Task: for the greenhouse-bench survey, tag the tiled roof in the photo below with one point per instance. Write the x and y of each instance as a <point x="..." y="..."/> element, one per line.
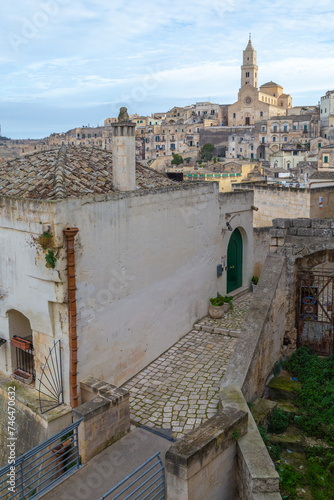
<point x="322" y="175"/>
<point x="68" y="172"/>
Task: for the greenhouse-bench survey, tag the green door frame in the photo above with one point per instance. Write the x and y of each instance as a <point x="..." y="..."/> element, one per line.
<point x="234" y="262"/>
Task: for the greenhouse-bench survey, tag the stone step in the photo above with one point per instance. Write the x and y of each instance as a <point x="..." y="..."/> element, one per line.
<point x="262" y="410"/>
<point x="292" y="439"/>
<point x="283" y="388"/>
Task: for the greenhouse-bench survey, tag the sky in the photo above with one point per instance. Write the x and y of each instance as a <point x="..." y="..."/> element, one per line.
<point x="68" y="63"/>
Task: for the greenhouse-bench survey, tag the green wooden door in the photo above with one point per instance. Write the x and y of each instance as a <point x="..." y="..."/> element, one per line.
<point x="234" y="262"/>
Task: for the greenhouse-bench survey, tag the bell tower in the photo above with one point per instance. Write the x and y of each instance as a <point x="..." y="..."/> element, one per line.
<point x="249" y="69"/>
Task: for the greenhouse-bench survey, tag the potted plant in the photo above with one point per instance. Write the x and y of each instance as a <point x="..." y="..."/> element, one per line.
<point x="228" y="302"/>
<point x="255" y="280"/>
<point x="219" y="305"/>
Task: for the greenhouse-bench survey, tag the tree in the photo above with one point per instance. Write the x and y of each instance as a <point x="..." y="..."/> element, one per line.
<point x="177" y="159"/>
<point x="206" y="152"/>
<point x="187" y="160"/>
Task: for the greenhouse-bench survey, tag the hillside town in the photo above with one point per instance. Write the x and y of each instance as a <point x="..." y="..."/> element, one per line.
<point x="166" y="290"/>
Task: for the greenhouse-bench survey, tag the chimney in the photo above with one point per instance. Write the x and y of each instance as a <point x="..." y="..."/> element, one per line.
<point x="124" y="153"/>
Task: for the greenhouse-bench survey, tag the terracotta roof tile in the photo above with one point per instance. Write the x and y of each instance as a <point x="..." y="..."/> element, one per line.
<point x="68" y="172"/>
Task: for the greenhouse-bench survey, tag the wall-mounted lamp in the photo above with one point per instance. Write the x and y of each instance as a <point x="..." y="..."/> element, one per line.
<point x="229" y="227"/>
<point x="254" y="208"/>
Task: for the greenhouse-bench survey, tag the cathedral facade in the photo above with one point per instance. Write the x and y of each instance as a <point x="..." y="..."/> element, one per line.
<point x="253" y="104"/>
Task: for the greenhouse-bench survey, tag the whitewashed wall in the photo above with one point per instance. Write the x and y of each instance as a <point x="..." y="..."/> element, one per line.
<point x="26" y="284"/>
<point x="146" y="267"/>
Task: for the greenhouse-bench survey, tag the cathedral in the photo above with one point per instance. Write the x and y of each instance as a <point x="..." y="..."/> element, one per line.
<point x="255" y="105"/>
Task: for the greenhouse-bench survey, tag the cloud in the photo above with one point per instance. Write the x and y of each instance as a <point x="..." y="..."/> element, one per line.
<point x="152" y="52"/>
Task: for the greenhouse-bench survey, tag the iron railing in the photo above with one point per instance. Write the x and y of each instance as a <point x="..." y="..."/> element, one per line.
<point x="50" y="391"/>
<point x="147" y="482"/>
<point x="42" y="467"/>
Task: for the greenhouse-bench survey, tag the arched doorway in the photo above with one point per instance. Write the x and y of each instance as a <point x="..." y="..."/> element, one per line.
<point x="234" y="262"/>
<point x="261" y="152"/>
<point x="22" y="350"/>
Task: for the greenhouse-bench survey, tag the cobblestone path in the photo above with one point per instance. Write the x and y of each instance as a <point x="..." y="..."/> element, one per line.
<point x="179" y="390"/>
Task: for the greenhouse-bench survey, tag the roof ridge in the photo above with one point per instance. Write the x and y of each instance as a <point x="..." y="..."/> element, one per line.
<point x="59" y="174"/>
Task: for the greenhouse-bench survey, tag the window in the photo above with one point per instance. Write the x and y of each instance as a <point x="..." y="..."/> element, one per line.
<point x="288" y="165"/>
<point x="295" y="153"/>
<point x="285" y="128"/>
<point x="247" y="74"/>
<point x="240" y="150"/>
<point x="234" y="115"/>
<point x="325" y="159"/>
<point x="319" y="144"/>
<point x="274" y="139"/>
<point x="274" y="128"/>
<point x="285" y="139"/>
<point x="172" y="147"/>
<point x="261" y="114"/>
<point x="263" y="140"/>
<point x="305" y="128"/>
<point x="212" y="111"/>
<point x="157" y="138"/>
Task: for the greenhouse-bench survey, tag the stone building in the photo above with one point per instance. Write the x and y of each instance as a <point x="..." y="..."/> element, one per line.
<point x="254" y="105"/>
<point x="326" y="158"/>
<point x="327" y="115"/>
<point x="145" y="251"/>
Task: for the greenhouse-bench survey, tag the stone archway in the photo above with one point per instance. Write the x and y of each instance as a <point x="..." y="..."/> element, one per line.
<point x="22" y="349"/>
<point x="261" y="152"/>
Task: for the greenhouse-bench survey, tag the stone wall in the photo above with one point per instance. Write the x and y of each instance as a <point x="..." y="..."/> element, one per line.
<point x="281" y="202"/>
<point x="203" y="463"/>
<point x="106" y="416"/>
<point x="146" y="265"/>
<point x="248" y="369"/>
<point x="31" y="428"/>
<point x="261" y="238"/>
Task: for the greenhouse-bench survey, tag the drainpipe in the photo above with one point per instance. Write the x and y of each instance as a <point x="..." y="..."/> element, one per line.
<point x="70" y="233"/>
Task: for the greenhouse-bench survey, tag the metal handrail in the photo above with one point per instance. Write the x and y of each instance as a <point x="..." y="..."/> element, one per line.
<point x="37" y="469"/>
<point x="145" y="481"/>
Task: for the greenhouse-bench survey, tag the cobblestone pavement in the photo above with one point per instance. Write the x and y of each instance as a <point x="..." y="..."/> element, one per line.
<point x="179" y="390"/>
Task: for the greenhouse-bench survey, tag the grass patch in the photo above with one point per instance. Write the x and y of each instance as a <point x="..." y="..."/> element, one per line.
<point x="320" y="472"/>
<point x="316" y="398"/>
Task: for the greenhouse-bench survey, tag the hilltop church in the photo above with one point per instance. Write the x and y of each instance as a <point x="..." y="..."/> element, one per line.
<point x="255" y="105"/>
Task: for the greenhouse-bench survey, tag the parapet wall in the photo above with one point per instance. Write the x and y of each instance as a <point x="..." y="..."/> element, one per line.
<point x="246" y="374"/>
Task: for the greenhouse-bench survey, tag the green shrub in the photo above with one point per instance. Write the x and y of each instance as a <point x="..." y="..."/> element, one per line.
<point x="278" y="422"/>
<point x="316" y="398"/>
<point x="289" y="480"/>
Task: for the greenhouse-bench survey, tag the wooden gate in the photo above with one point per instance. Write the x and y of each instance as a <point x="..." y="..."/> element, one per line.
<point x="315" y="310"/>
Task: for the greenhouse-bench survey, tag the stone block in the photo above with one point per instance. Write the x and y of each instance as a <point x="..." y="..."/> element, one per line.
<point x="273" y="249"/>
<point x="292" y="231"/>
<point x="281" y="233"/>
<point x="301" y="222"/>
<point x="304" y="231"/>
<point x="332" y="223"/>
<point x="106" y="416"/>
<point x="280" y="242"/>
<point x="321" y="223"/>
<point x="273" y="242"/>
<point x="273" y="232"/>
<point x="323" y="233"/>
<point x="282" y="223"/>
<point x="204" y="460"/>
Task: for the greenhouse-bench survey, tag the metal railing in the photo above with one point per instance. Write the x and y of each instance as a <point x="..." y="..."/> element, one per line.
<point x="42" y="467"/>
<point x="147" y="482"/>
